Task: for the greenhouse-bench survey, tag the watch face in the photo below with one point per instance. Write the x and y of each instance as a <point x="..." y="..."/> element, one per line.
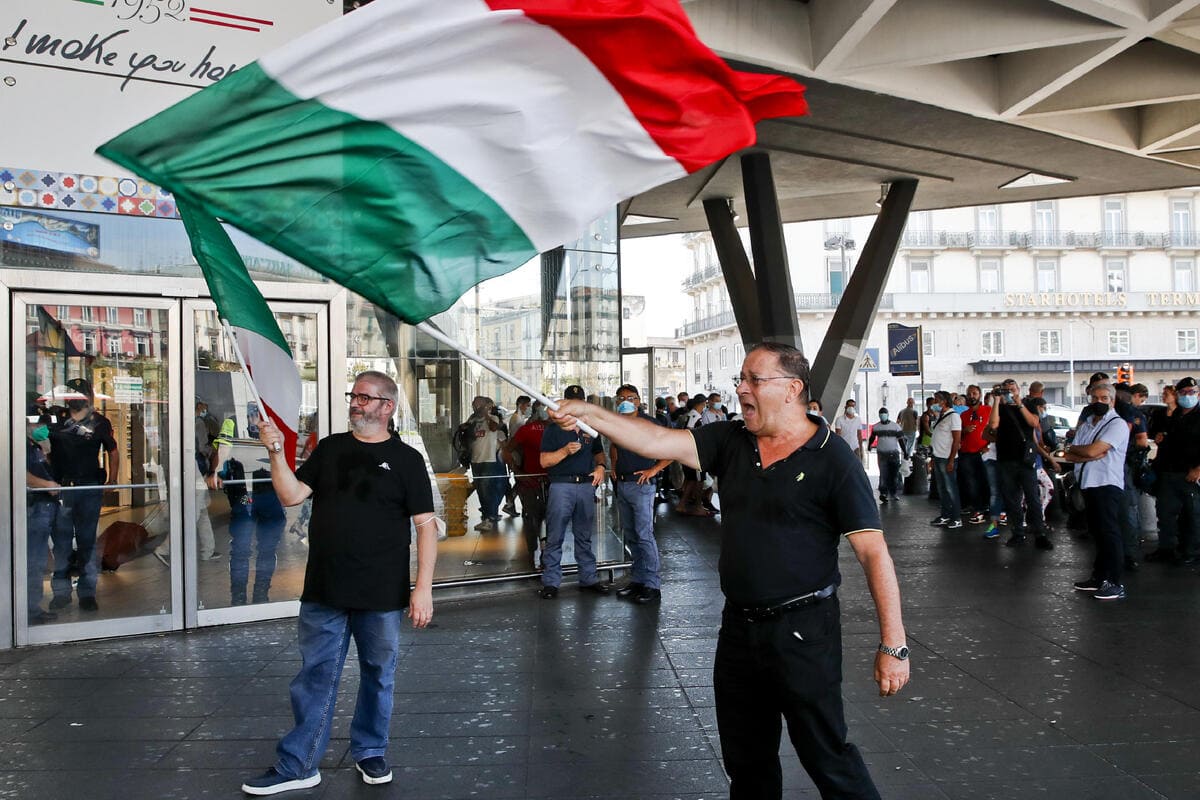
<point x="902" y="653"/>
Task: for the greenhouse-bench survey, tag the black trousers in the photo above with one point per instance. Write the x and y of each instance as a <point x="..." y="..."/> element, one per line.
<point x="789" y="668"/>
<point x="972" y="482"/>
<point x="1104" y="506"/>
<point x="533" y="510"/>
<point x="1016" y="481"/>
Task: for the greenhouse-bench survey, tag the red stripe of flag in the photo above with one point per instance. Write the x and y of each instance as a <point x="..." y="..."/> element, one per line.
<point x="231" y="16"/>
<point x="694" y="106"/>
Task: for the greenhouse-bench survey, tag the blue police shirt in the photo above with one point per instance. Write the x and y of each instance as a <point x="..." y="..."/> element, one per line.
<point x="581" y="462"/>
<point x="629" y="462"/>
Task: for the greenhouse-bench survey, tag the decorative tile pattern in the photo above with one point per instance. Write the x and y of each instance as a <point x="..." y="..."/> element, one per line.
<point x="96" y="193"/>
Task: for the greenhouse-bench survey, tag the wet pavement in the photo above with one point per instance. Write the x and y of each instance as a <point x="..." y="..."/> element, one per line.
<point x="1022" y="688"/>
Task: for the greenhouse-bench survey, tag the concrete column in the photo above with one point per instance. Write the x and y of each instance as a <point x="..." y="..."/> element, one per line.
<point x="739" y="277"/>
<point x="776" y="302"/>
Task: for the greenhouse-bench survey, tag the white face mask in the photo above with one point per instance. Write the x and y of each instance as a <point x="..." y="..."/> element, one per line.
<point x="850" y="412"/>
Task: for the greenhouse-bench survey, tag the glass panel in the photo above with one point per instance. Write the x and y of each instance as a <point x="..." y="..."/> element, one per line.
<point x="1184" y="275"/>
<point x="250" y="548"/>
<point x="105" y="411"/>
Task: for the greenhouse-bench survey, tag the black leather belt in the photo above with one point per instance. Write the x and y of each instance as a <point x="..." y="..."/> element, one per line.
<point x="570" y="478"/>
<point x="775" y="610"/>
<point x="627" y="478"/>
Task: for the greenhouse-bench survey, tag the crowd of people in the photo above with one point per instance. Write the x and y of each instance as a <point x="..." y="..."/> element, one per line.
<point x="995" y="459"/>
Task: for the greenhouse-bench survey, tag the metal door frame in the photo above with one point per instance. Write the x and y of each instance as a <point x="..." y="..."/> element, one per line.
<point x="149" y="291"/>
<point x="101" y="628"/>
<point x="194" y="616"/>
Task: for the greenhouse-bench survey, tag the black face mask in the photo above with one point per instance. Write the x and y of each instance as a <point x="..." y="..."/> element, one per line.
<point x="1097" y="409"/>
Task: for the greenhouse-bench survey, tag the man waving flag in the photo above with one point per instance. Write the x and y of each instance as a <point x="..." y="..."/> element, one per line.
<point x="411" y="149"/>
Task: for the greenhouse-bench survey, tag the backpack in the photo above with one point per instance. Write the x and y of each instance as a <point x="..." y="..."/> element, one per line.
<point x="464" y="435"/>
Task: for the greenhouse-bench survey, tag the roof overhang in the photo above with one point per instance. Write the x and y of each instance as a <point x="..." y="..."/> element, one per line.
<point x="964" y="104"/>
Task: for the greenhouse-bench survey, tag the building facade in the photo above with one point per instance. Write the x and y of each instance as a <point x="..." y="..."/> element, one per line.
<point x="1050" y="291"/>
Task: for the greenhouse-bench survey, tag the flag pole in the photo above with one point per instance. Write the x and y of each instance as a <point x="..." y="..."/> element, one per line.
<point x="237" y="352"/>
<point x="425" y="327"/>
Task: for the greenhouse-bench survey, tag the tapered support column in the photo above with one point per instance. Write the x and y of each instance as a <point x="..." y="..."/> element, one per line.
<point x="842" y="350"/>
<point x="773" y="281"/>
<point x="739" y="277"/>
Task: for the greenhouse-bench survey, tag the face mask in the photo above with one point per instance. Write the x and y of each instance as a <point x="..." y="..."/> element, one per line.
<point x="718" y="406"/>
<point x="40" y="434"/>
<point x="883" y="417"/>
<point x="626" y="407"/>
<point x="850" y="412"/>
<point x="1188" y="400"/>
<point x="541" y="415"/>
<point x="1098" y="409"/>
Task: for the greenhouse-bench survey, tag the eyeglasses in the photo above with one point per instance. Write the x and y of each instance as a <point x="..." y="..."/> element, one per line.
<point x="756" y="381"/>
<point x="355" y="399"/>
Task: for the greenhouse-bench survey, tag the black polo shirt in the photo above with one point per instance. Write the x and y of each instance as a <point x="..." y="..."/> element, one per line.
<point x="1179" y="450"/>
<point x="780" y="527"/>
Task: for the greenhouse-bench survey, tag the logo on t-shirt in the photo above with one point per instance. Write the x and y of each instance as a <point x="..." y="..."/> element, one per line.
<point x="800" y="477"/>
<point x="384" y="465"/>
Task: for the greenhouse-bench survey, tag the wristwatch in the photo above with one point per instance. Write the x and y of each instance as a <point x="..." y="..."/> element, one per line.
<point x="900" y="652"/>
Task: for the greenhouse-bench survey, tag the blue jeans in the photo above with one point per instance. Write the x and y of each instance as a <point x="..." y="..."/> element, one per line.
<point x="491" y="479"/>
<point x="76" y="529"/>
<point x="995" y="500"/>
<point x="259" y="516"/>
<point x="324" y="641"/>
<point x="573" y="503"/>
<point x="974" y="485"/>
<point x="635" y="504"/>
<point x="39" y="527"/>
<point x="947" y="486"/>
<point x="889" y="474"/>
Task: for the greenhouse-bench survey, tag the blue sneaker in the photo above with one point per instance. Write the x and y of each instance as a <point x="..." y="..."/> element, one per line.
<point x="271" y="782"/>
<point x="1110" y="591"/>
<point x="375" y="770"/>
<point x="993" y="531"/>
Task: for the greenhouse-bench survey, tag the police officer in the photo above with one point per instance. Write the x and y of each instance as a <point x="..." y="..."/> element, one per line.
<point x="575" y="464"/>
<point x="790" y="491"/>
<point x="635" y="504"/>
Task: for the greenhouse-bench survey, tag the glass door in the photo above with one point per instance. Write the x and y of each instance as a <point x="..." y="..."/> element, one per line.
<point x="93" y="385"/>
<point x="245" y="553"/>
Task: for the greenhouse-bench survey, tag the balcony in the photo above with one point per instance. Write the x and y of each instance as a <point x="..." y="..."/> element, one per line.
<point x="826" y="301"/>
<point x="702" y="276"/>
<point x="994" y="240"/>
<point x="1182" y="240"/>
<point x="705" y="325"/>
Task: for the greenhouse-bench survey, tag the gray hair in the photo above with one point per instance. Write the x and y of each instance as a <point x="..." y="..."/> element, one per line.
<point x="1103" y="386"/>
<point x="382" y="382"/>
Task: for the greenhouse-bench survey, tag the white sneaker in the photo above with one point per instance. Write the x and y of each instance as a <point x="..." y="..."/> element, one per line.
<point x="486" y="525"/>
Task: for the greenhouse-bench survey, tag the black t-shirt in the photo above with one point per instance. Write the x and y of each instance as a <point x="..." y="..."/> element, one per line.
<point x="364" y="494"/>
<point x="629" y="462"/>
<point x="75" y="449"/>
<point x="781" y="527"/>
<point x="581" y="462"/>
<point x="1179" y="450"/>
<point x="1012" y="435"/>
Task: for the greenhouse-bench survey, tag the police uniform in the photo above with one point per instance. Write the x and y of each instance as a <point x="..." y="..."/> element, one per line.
<point x="779" y="652"/>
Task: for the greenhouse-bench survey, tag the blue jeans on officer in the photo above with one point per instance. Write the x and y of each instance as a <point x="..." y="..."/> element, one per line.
<point x="573" y="503"/>
<point x="75" y="529"/>
<point x="324" y="642"/>
<point x="635" y="505"/>
<point x="40" y="519"/>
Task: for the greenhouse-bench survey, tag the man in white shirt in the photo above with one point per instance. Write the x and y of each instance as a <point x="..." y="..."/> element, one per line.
<point x="1098" y="453"/>
<point x="487" y="473"/>
<point x="850" y="427"/>
<point x="946" y="435"/>
<point x="714" y="411"/>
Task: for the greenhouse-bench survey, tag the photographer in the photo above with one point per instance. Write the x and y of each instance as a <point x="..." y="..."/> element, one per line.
<point x="1012" y="427"/>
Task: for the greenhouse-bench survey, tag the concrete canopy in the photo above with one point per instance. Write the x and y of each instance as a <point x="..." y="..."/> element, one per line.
<point x="963" y="95"/>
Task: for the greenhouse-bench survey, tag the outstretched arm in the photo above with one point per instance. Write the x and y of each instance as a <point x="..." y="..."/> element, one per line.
<point x="639" y="435"/>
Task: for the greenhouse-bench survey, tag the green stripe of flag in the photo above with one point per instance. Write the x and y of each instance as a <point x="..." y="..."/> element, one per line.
<point x="238" y="300"/>
<point x="353" y="199"/>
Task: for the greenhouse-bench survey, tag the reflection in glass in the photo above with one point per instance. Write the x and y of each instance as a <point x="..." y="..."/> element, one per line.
<point x="264" y="543"/>
<point x="97" y="413"/>
<point x="553" y="322"/>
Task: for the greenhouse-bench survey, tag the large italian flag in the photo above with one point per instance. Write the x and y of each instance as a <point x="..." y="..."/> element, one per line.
<point x="413" y="148"/>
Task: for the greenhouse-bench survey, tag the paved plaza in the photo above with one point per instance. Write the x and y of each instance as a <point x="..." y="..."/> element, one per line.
<point x="1021" y="688"/>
